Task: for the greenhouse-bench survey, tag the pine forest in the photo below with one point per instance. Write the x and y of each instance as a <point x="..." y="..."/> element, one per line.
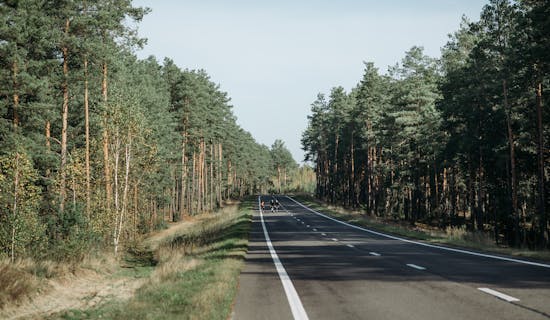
<point x="98" y="147"/>
<point x="456" y="142"/>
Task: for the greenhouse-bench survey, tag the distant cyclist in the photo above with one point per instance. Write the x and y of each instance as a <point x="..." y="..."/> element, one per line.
<point x="272" y="204"/>
<point x="277" y="204"/>
<point x="262" y="205"/>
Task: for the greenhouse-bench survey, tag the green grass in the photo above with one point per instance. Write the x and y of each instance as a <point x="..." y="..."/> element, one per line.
<point x="456" y="237"/>
<point x="196" y="275"/>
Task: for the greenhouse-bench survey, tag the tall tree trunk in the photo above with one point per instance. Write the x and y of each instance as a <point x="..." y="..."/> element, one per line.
<point x="471" y="193"/>
<point x="481" y="193"/>
<point x="15" y="71"/>
<point x="117" y="158"/>
<point x="212" y="158"/>
<point x="453" y="193"/>
<point x="351" y="195"/>
<point x="65" y="114"/>
<point x="15" y="199"/>
<point x="219" y="174"/>
<point x="445" y="189"/>
<point x="204" y="175"/>
<point x="174" y="196"/>
<point x="121" y="215"/>
<point x="334" y="179"/>
<point x="47" y="130"/>
<point x="435" y="191"/>
<point x="135" y="215"/>
<point x="105" y="136"/>
<point x="199" y="179"/>
<point x="543" y="224"/>
<point x="284" y="179"/>
<point x="229" y="179"/>
<point x="193" y="184"/>
<point x="87" y="129"/>
<point x="279" y="178"/>
<point x="183" y="176"/>
<point x="513" y="181"/>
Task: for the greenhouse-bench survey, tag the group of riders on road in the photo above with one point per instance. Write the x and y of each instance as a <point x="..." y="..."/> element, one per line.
<point x="274" y="205"/>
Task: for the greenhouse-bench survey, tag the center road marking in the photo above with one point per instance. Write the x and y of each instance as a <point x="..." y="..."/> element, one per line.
<point x="415" y="266"/>
<point x="334" y="239"/>
<point x="499" y="295"/>
<point x="314" y="229"/>
<point x="350" y="245"/>
<point x="324" y="234"/>
<point x="374" y="254"/>
<point x="294" y="301"/>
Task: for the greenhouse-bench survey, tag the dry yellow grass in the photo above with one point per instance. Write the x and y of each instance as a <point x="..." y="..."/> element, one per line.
<point x="215" y="293"/>
<point x="171" y="261"/>
<point x="196" y="270"/>
<point x="15" y="281"/>
<point x="193" y="255"/>
<point x="32" y="289"/>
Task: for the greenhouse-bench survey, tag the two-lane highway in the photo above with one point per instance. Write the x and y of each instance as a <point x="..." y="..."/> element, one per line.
<point x="302" y="264"/>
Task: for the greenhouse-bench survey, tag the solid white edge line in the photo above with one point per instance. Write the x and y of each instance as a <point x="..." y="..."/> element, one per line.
<point x="425" y="244"/>
<point x="294" y="301"/>
<point x="499" y="295"/>
<point x="415" y="266"/>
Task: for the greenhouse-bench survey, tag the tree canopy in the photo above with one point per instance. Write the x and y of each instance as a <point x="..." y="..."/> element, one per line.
<point x="96" y="144"/>
<point x="456" y="141"/>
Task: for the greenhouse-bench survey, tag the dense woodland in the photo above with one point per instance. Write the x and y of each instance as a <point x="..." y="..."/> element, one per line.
<point x="98" y="147"/>
<point x="459" y="141"/>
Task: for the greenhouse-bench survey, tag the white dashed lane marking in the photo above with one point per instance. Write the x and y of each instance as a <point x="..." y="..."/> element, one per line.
<point x="415" y="266"/>
<point x="499" y="295"/>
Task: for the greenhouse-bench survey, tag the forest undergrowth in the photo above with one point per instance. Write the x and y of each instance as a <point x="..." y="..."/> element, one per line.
<point x="158" y="277"/>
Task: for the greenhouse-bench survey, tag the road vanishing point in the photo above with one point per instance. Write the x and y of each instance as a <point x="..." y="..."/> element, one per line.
<point x="302" y="264"/>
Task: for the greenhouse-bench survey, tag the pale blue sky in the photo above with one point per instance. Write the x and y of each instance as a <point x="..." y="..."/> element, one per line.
<point x="273" y="57"/>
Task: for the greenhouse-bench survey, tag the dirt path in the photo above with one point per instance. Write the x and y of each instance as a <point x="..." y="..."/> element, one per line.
<point x="82" y="290"/>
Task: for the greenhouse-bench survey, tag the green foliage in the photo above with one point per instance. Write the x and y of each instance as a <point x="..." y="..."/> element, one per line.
<point x="196" y="277"/>
<point x="283" y="165"/>
<point x="21" y="231"/>
<point x="158" y="142"/>
<point x="455" y="142"/>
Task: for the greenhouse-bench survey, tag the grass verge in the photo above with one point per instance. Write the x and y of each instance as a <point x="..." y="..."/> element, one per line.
<point x="193" y="272"/>
<point x="27" y="278"/>
<point x="455" y="237"/>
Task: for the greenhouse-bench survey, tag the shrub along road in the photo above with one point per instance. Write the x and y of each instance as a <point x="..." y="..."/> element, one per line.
<point x="320" y="268"/>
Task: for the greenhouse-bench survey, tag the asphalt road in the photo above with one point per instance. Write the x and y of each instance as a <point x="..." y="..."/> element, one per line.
<point x="319" y="268"/>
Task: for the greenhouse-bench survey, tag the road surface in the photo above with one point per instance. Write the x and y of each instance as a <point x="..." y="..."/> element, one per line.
<point x="314" y="267"/>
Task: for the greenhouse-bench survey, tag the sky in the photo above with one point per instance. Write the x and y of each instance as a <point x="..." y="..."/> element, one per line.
<point x="273" y="57"/>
